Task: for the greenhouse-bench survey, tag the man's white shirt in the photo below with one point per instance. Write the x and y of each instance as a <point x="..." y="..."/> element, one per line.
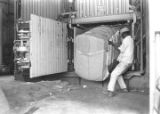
<point x="126" y="50"/>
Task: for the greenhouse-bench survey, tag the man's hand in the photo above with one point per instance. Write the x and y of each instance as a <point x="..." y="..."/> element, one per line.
<point x="110" y="42"/>
<point x="114" y="45"/>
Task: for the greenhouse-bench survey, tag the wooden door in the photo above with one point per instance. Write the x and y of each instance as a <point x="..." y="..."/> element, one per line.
<point x="48" y="46"/>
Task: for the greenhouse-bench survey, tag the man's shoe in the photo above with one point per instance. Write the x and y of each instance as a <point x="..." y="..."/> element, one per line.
<point x="109" y="93"/>
<point x="125" y="90"/>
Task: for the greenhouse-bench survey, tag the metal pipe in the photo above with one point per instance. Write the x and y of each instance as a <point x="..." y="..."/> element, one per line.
<point x="141" y="71"/>
<point x="133" y="34"/>
<point x="81" y="27"/>
<point x="133" y="26"/>
<point x="69" y="13"/>
<point x="70" y="47"/>
<point x="102" y="19"/>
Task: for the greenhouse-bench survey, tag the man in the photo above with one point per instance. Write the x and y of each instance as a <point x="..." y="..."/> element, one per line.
<point x="124" y="59"/>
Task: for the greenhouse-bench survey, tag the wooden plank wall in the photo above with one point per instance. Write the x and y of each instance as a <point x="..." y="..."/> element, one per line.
<point x="91" y="8"/>
<point x="48" y="49"/>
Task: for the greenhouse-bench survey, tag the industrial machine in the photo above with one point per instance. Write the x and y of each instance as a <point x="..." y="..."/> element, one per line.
<point x="21" y="47"/>
<point x="79" y="16"/>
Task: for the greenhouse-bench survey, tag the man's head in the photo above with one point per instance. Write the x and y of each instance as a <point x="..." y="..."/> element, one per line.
<point x="124" y="32"/>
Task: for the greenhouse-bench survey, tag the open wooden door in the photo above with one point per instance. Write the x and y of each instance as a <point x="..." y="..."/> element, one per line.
<point x="48" y="46"/>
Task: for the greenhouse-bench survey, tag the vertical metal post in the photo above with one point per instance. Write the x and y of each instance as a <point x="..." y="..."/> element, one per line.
<point x="141" y="37"/>
<point x="1" y="31"/>
<point x="70" y="47"/>
<point x="133" y="34"/>
<point x="147" y="36"/>
<point x="133" y="26"/>
<point x="74" y="36"/>
<point x="15" y="22"/>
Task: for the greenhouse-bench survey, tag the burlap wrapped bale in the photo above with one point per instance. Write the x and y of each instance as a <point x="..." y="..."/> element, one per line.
<point x="93" y="55"/>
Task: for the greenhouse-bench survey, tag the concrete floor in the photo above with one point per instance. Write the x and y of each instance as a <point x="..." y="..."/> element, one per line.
<point x="66" y="96"/>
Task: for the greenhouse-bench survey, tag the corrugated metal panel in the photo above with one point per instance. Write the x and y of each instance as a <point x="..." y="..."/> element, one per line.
<point x="4" y="5"/>
<point x="47" y="46"/>
<point x="91" y="8"/>
<point x="45" y="8"/>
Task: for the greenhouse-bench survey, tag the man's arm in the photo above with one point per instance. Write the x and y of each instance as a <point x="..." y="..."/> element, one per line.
<point x="114" y="45"/>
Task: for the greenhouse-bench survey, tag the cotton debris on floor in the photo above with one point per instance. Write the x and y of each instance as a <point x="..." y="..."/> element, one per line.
<point x="23" y="94"/>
